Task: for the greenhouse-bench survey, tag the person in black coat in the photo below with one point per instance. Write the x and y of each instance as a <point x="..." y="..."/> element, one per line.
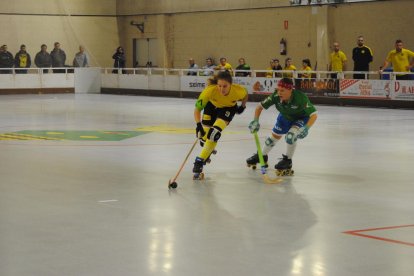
<point x="119" y="60"/>
<point x="6" y="60"/>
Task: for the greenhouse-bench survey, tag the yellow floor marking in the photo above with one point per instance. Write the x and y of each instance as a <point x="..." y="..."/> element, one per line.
<point x="17" y="136"/>
<point x="55" y="133"/>
<point x="172" y="129"/>
<point x="89" y="137"/>
<point x="116" y="133"/>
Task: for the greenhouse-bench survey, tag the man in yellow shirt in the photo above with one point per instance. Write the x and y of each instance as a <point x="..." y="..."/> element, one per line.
<point x="224" y="66"/>
<point x="402" y="60"/>
<point x="338" y="61"/>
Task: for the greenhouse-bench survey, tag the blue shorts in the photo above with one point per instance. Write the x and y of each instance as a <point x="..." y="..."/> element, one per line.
<point x="282" y="125"/>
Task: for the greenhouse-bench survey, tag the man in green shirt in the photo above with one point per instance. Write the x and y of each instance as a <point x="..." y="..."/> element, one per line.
<point x="297" y="115"/>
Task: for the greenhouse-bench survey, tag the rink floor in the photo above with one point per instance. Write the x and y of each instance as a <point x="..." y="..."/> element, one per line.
<point x="83" y="191"/>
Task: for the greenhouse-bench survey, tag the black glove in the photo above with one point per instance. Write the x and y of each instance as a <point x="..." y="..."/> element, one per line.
<point x="240" y="109"/>
<point x="200" y="130"/>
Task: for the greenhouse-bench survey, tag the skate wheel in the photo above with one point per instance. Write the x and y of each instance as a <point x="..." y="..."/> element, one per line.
<point x="172" y="185"/>
<point x="251" y="166"/>
<point x="214" y="152"/>
<point x="198" y="176"/>
<point x="208" y="161"/>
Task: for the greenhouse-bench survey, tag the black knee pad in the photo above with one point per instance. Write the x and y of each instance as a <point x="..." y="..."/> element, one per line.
<point x="214" y="133"/>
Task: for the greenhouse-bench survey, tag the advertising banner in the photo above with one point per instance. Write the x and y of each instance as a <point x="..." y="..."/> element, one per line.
<point x="263" y="85"/>
<point x="318" y="87"/>
<point x="365" y="89"/>
<point x="402" y="90"/>
<point x="193" y="83"/>
<point x="246" y="82"/>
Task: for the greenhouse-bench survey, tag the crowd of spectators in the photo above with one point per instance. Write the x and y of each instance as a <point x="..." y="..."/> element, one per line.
<point x="402" y="60"/>
<point x="56" y="59"/>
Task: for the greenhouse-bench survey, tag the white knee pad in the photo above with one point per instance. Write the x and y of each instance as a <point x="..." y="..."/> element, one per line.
<point x="292" y="135"/>
<point x="214" y="133"/>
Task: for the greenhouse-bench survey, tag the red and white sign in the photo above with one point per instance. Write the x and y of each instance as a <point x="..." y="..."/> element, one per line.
<point x="365" y="89"/>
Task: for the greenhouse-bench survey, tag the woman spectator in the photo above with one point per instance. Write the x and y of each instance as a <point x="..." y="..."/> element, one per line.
<point x="119" y="60"/>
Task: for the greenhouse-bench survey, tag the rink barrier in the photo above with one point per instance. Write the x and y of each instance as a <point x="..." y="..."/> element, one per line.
<point x="382" y="90"/>
<point x="378" y="90"/>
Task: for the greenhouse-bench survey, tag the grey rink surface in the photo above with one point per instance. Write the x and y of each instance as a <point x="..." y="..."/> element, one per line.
<point x="103" y="207"/>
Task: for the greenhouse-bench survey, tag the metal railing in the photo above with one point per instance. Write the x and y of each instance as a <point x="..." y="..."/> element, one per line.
<point x="260" y="73"/>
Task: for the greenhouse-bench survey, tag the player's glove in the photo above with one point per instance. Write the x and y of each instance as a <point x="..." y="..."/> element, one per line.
<point x="254" y="126"/>
<point x="303" y="132"/>
<point x="200" y="130"/>
<point x="240" y="109"/>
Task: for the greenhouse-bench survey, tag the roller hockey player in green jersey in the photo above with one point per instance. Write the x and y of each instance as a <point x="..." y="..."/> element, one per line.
<point x="296" y="117"/>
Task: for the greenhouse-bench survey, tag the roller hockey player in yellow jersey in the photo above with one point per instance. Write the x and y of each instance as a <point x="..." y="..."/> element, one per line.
<point x="218" y="101"/>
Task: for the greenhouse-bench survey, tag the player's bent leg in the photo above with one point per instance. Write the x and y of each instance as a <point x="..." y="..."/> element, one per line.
<point x="213" y="136"/>
<point x="270" y="142"/>
<point x="292" y="136"/>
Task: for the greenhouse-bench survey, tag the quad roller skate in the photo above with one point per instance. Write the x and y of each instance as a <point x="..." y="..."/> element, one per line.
<point x="284" y="167"/>
<point x="198" y="169"/>
<point x="198" y="166"/>
<point x="254" y="160"/>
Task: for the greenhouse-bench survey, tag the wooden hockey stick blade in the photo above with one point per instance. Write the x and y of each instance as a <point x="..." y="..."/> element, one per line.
<point x="269" y="180"/>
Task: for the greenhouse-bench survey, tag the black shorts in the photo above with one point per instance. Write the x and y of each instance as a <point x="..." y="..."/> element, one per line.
<point x="211" y="113"/>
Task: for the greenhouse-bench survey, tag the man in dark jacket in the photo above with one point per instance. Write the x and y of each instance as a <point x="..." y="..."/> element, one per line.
<point x="43" y="59"/>
<point x="6" y="60"/>
<point x="362" y="57"/>
<point x="58" y="58"/>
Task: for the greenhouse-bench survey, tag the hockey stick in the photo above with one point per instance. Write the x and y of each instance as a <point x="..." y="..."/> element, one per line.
<point x="266" y="178"/>
<point x="171" y="183"/>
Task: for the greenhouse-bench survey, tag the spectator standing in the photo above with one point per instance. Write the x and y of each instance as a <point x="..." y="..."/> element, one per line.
<point x="22" y="60"/>
<point x="224" y="66"/>
<point x="43" y="59"/>
<point x="289" y="67"/>
<point x="81" y="58"/>
<point x="401" y="59"/>
<point x="243" y="67"/>
<point x="362" y="57"/>
<point x="337" y="61"/>
<point x="208" y="68"/>
<point x="6" y="60"/>
<point x="119" y="60"/>
<point x="274" y="66"/>
<point x="58" y="58"/>
<point x="192" y="69"/>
